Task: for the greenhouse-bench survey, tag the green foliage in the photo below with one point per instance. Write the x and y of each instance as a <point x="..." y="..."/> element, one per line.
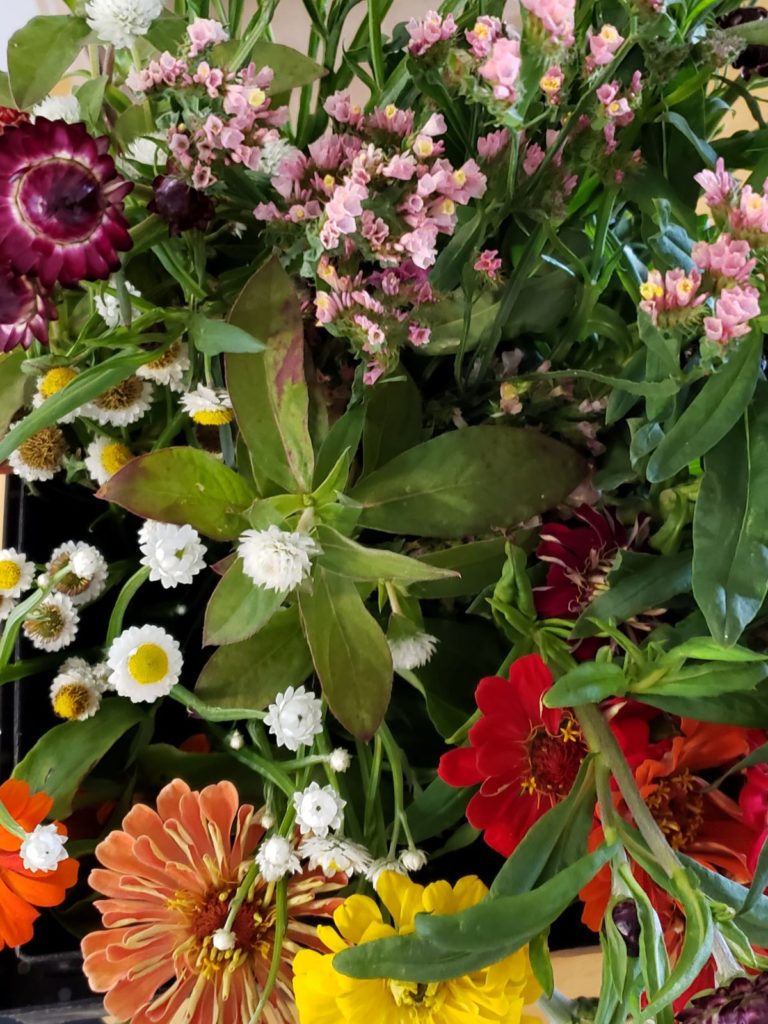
<point x="59" y="37"/>
<point x="238" y="608"/>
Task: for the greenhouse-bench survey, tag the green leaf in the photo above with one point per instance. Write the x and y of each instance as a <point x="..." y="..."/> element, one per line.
<point x="248" y="675"/>
<point x="183" y="485"/>
<point x="216" y="336"/>
<point x="704" y="648"/>
<point x="478" y="566"/>
<point x="749" y="710"/>
<point x="90" y="97"/>
<point x="348" y="558"/>
<point x="40" y="53"/>
<point x="446" y="320"/>
<point x="161" y="763"/>
<point x="268" y="391"/>
<point x="67" y="753"/>
<point x="711" y="414"/>
<point x="498" y="477"/>
<point x="709" y="679"/>
<point x="6" y="97"/>
<point x="167" y="31"/>
<point x="587" y="683"/>
<point x="759" y="881"/>
<point x="349" y="651"/>
<point x="238" y="608"/>
<point x="730" y="531"/>
<point x="637" y="583"/>
<point x="292" y="68"/>
<point x="753" y="921"/>
<point x="344" y="436"/>
<point x="436" y="809"/>
<point x="392" y="421"/>
<point x="13" y="384"/>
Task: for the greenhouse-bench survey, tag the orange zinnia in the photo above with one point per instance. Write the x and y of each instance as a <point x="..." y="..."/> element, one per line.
<point x="169" y="876"/>
<point x="22" y="890"/>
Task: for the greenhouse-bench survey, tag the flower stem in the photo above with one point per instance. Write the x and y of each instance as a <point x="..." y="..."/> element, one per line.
<point x="9" y="823"/>
<point x="375" y="44"/>
<point x="396" y="764"/>
<point x="281" y="926"/>
<point x="124" y="598"/>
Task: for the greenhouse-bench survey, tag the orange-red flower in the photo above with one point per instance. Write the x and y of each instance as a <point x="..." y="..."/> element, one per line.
<point x="169" y="876"/>
<point x="22" y="890"/>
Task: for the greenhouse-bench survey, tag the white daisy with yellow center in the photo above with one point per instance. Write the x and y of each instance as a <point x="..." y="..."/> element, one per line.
<point x="50" y="384"/>
<point x="104" y="457"/>
<point x="75" y="692"/>
<point x="169" y="368"/>
<point x="210" y="407"/>
<point x="40" y="457"/>
<point x="53" y="624"/>
<point x="121" y="405"/>
<point x="87" y="575"/>
<point x="16" y="573"/>
<point x="145" y="663"/>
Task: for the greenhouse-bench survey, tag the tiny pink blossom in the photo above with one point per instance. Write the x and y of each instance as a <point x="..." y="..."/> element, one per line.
<point x="488" y="263"/>
<point x="734" y="308"/>
<point x="502" y="69"/>
<point x="667" y="295"/>
<point x="373" y="229"/>
<point x="534" y="155"/>
<point x="340" y="107"/>
<point x="718" y="185"/>
<point x="427" y="31"/>
<point x="390" y="119"/>
<point x="435" y="126"/>
<point x="345" y="205"/>
<point x="556" y="17"/>
<point x="604" y="44"/>
<point x="372" y="373"/>
<point x="483" y="35"/>
<point x="266" y="212"/>
<point x="202" y="176"/>
<point x="489" y="146"/>
<point x="725" y="258"/>
<point x="205" y="32"/>
<point x="418" y="334"/>
<point x="421" y="245"/>
<point x="751" y="215"/>
<point x="402" y="167"/>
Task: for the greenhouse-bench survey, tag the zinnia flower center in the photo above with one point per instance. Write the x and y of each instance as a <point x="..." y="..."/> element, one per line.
<point x="148" y="664"/>
<point x="115" y="456"/>
<point x="415" y="994"/>
<point x="60" y="199"/>
<point x="122" y="395"/>
<point x="554" y="761"/>
<point x="44" y="450"/>
<point x="55" y="380"/>
<point x="10" y="574"/>
<point x="47" y="623"/>
<point x="678" y="807"/>
<point x="72" y="700"/>
<point x="252" y="929"/>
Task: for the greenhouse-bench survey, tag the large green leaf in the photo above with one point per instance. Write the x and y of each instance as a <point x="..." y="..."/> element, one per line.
<point x="749" y="710"/>
<point x="61" y="759"/>
<point x="183" y="485"/>
<point x="712" y="413"/>
<point x="393" y="421"/>
<point x="40" y="53"/>
<point x="216" y="336"/>
<point x="587" y="683"/>
<point x="436" y="808"/>
<point x="348" y="558"/>
<point x="478" y="566"/>
<point x="238" y="608"/>
<point x="268" y="390"/>
<point x="12" y="386"/>
<point x="349" y="651"/>
<point x="706" y="680"/>
<point x="292" y="68"/>
<point x="248" y="675"/>
<point x="469" y="481"/>
<point x="730" y="527"/>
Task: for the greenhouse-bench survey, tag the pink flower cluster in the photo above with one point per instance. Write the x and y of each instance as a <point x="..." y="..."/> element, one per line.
<point x="491" y="145"/>
<point x="205" y="32"/>
<point x="426" y="32"/>
<point x="502" y="68"/>
<point x="488" y="263"/>
<point x="744" y="211"/>
<point x="603" y="46"/>
<point x="734" y="309"/>
<point x="672" y="298"/>
<point x="533" y="157"/>
<point x="718" y="185"/>
<point x="725" y="259"/>
<point x="483" y="35"/>
<point x="556" y="18"/>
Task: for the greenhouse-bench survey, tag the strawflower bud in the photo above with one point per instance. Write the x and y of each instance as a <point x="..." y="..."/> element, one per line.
<point x="625" y="918"/>
<point x="743" y="1001"/>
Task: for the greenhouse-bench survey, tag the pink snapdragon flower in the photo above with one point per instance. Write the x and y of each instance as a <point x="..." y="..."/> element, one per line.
<point x="502" y="69"/>
<point x="718" y="185"/>
<point x="556" y="17"/>
<point x="427" y="31"/>
<point x="205" y="32"/>
<point x="671" y="298"/>
<point x="483" y="35"/>
<point x="489" y="146"/>
<point x="488" y="263"/>
<point x="726" y="258"/>
<point x="734" y="308"/>
<point x="603" y="46"/>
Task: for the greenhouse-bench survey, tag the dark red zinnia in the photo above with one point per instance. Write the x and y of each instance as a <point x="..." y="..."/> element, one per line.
<point x="25" y="310"/>
<point x="524" y="756"/>
<point x="61" y="203"/>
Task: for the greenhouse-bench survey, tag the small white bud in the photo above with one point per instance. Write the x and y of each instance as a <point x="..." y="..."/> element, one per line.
<point x="340" y="760"/>
<point x="413" y="860"/>
<point x="223" y="940"/>
<point x="236" y="741"/>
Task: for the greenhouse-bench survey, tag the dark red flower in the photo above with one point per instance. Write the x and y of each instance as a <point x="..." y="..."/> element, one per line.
<point x="743" y="1001"/>
<point x="182" y="206"/>
<point x="524" y="756"/>
<point x="25" y="310"/>
<point x="61" y="203"/>
<point x="9" y="117"/>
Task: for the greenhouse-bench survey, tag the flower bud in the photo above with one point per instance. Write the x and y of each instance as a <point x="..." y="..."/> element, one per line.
<point x="624" y="916"/>
<point x="182" y="206"/>
<point x="743" y="1001"/>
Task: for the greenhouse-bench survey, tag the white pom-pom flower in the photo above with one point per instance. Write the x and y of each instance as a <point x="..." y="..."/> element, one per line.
<point x="43" y="849"/>
<point x="276" y="859"/>
<point x="223" y="940"/>
<point x="173" y="554"/>
<point x="334" y="854"/>
<point x="16" y="573"/>
<point x="87" y="575"/>
<point x="319" y="809"/>
<point x="58" y="108"/>
<point x="53" y="623"/>
<point x="121" y="22"/>
<point x="410" y="652"/>
<point x="340" y="760"/>
<point x="295" y="718"/>
<point x="277" y="559"/>
<point x="104" y="457"/>
<point x="145" y="663"/>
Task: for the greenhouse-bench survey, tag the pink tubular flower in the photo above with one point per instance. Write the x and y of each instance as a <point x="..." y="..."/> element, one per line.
<point x="734" y="308"/>
<point x="672" y="298"/>
<point x="551" y="82"/>
<point x="502" y="69"/>
<point x="751" y="215"/>
<point x="556" y="17"/>
<point x="427" y="31"/>
<point x="718" y="185"/>
<point x="421" y="245"/>
<point x="489" y="146"/>
<point x="401" y="166"/>
<point x="488" y="263"/>
<point x="25" y="311"/>
<point x="205" y="32"/>
<point x="418" y="334"/>
<point x="726" y="259"/>
<point x="534" y="156"/>
<point x="604" y="44"/>
<point x="483" y="35"/>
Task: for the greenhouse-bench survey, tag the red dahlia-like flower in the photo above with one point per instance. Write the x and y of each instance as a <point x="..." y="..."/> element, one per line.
<point x="61" y="203"/>
<point x="25" y="310"/>
<point x="9" y="116"/>
<point x="524" y="756"/>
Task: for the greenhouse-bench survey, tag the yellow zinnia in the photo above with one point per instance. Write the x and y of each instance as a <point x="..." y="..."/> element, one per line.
<point x="495" y="995"/>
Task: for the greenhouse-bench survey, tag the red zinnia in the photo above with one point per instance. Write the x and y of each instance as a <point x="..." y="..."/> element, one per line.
<point x="524" y="756"/>
<point x="61" y="203"/>
<point x="25" y="311"/>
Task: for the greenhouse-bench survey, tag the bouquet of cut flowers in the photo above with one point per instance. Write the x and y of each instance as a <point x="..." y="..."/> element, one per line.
<point x="390" y="428"/>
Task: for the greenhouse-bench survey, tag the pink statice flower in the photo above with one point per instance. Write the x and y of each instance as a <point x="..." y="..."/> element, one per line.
<point x="551" y="83"/>
<point x="718" y="185"/>
<point x="556" y="18"/>
<point x="483" y="35"/>
<point x="345" y="205"/>
<point x="673" y="297"/>
<point x="340" y="107"/>
<point x="603" y="46"/>
<point x="726" y="259"/>
<point x="534" y="157"/>
<point x="734" y="309"/>
<point x="491" y="145"/>
<point x="488" y="263"/>
<point x="205" y="32"/>
<point x="750" y="217"/>
<point x="502" y="69"/>
<point x="418" y="334"/>
<point x="426" y="32"/>
<point x="615" y="106"/>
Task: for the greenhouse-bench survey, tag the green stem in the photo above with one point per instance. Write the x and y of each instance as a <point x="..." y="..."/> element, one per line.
<point x="9" y="823"/>
<point x="398" y="791"/>
<point x="281" y="926"/>
<point x="209" y="714"/>
<point x="559" y="1009"/>
<point x="124" y="598"/>
<point x="239" y="898"/>
<point x="169" y="431"/>
<point x="21" y="612"/>
<point x="375" y="42"/>
<point x="264" y="767"/>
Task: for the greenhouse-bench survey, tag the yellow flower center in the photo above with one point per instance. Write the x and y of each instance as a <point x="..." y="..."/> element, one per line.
<point x="213" y="417"/>
<point x="460" y="177"/>
<point x="329" y="181"/>
<point x="423" y="146"/>
<point x="10" y="574"/>
<point x="685" y="286"/>
<point x="549" y="83"/>
<point x="609" y="34"/>
<point x="755" y="202"/>
<point x="55" y="380"/>
<point x="448" y="207"/>
<point x="390" y="110"/>
<point x="614" y="107"/>
<point x="480" y="30"/>
<point x="114" y="456"/>
<point x="122" y="395"/>
<point x="256" y="97"/>
<point x="299" y="212"/>
<point x="72" y="701"/>
<point x="148" y="664"/>
<point x="414" y="994"/>
<point x="45" y="449"/>
<point x="649" y="290"/>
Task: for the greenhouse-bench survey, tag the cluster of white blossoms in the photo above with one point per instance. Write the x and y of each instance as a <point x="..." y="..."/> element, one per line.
<point x="295" y="718"/>
<point x="43" y="849"/>
<point x="173" y="554"/>
<point x="77" y="689"/>
<point x="121" y="22"/>
<point x="144" y="663"/>
<point x="277" y="559"/>
<point x="58" y="108"/>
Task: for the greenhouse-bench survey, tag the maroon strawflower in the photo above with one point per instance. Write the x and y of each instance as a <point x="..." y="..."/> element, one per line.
<point x="25" y="310"/>
<point x="624" y="915"/>
<point x="9" y="117"/>
<point x="743" y="1001"/>
<point x="182" y="206"/>
<point x="753" y="59"/>
<point x="61" y="203"/>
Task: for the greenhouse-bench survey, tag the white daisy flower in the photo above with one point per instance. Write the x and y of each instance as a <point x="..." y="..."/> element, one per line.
<point x="40" y="457"/>
<point x="410" y="652"/>
<point x="169" y="368"/>
<point x="7" y="604"/>
<point x="121" y="405"/>
<point x="277" y="559"/>
<point x="43" y="849"/>
<point x="16" y="573"/>
<point x="50" y="384"/>
<point x="413" y="860"/>
<point x="381" y="865"/>
<point x="108" y="306"/>
<point x="210" y="407"/>
<point x="121" y="22"/>
<point x="334" y="854"/>
<point x="58" y="108"/>
<point x="174" y="554"/>
<point x="104" y="457"/>
<point x="340" y="760"/>
<point x="53" y="623"/>
<point x="100" y="673"/>
<point x="145" y="662"/>
<point x="295" y="718"/>
<point x="75" y="694"/>
<point x="87" y="577"/>
<point x="319" y="809"/>
<point x="276" y="859"/>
